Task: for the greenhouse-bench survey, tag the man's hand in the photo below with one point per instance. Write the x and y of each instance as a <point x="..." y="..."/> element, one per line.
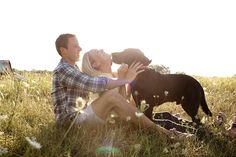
<point x="133" y="71"/>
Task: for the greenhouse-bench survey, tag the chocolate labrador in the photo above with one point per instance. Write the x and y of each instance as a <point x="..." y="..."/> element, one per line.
<point x="156" y="88"/>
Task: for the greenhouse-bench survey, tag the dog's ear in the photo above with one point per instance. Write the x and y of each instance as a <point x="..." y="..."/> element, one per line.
<point x="149" y="61"/>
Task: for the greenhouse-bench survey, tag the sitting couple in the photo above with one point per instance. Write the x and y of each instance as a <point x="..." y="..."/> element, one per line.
<point x="69" y="84"/>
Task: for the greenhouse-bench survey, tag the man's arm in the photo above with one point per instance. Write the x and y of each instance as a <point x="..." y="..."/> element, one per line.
<point x="113" y="83"/>
<point x="73" y="78"/>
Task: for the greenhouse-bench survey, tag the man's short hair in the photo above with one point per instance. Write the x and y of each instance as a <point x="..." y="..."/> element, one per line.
<point x="62" y="41"/>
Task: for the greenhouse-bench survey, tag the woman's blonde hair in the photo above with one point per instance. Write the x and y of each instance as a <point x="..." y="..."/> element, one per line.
<point x="87" y="67"/>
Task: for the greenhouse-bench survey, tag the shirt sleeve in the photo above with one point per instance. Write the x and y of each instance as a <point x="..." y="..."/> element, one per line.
<point x="73" y="78"/>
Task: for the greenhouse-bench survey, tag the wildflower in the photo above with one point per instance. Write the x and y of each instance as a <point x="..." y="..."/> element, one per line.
<point x="137" y="147"/>
<point x="166" y="93"/>
<point x="204" y="88"/>
<point x="111" y="121"/>
<point x="220" y="119"/>
<point x="232" y="129"/>
<point x="33" y="143"/>
<point x="165" y="150"/>
<point x="1" y="133"/>
<point x="176" y="145"/>
<point x="113" y="115"/>
<point x="182" y="98"/>
<point x="128" y="118"/>
<point x="80" y="104"/>
<point x="135" y="93"/>
<point x="3" y="150"/>
<point x="204" y="120"/>
<point x="1" y="94"/>
<point x="138" y="114"/>
<point x="25" y="84"/>
<point x="185" y="152"/>
<point x="143" y="106"/>
<point x="3" y="117"/>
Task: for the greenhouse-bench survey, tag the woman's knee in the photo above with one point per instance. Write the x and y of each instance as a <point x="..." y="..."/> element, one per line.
<point x="112" y="96"/>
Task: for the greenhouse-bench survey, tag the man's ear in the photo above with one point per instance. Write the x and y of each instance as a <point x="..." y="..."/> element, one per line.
<point x="62" y="49"/>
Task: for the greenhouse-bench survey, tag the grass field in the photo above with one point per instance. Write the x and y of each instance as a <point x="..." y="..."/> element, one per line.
<point x="27" y="125"/>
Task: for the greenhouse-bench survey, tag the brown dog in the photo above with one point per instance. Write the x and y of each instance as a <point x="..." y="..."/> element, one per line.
<point x="158" y="88"/>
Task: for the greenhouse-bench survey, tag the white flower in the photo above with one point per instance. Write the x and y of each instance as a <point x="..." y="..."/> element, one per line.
<point x="80" y="104"/>
<point x="166" y="93"/>
<point x="3" y="117"/>
<point x="165" y="150"/>
<point x="138" y="114"/>
<point x="128" y="118"/>
<point x="1" y="133"/>
<point x="185" y="152"/>
<point x="182" y="98"/>
<point x="1" y="95"/>
<point x="204" y="119"/>
<point x="3" y="150"/>
<point x="135" y="93"/>
<point x="25" y="84"/>
<point x="111" y="121"/>
<point x="176" y="145"/>
<point x="33" y="143"/>
<point x="143" y="106"/>
<point x="113" y="115"/>
<point x="137" y="147"/>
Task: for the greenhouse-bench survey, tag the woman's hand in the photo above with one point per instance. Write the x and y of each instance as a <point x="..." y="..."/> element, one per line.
<point x="133" y="71"/>
<point x="122" y="70"/>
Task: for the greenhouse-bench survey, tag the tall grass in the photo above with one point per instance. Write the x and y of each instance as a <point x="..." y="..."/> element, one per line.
<point x="26" y="111"/>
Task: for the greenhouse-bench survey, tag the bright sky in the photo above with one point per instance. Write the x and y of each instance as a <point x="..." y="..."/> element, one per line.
<point x="195" y="37"/>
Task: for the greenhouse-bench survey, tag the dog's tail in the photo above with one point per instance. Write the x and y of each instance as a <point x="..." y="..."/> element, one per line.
<point x="204" y="104"/>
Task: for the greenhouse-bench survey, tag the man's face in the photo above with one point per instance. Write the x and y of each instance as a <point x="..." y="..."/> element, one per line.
<point x="73" y="49"/>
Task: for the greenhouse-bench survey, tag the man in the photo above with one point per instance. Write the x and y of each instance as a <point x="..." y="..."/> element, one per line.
<point x="69" y="84"/>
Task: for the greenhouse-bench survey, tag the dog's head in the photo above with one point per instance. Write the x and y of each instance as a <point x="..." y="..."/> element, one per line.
<point x="130" y="55"/>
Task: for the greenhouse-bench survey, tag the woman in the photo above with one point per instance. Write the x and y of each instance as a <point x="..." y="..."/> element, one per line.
<point x="92" y="67"/>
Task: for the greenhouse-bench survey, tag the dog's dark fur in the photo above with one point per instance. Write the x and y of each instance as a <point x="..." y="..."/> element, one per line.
<point x="156" y="88"/>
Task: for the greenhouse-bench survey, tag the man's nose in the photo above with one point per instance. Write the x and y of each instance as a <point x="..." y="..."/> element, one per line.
<point x="80" y="49"/>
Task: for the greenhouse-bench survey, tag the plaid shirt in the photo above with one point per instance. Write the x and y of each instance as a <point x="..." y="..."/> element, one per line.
<point x="68" y="84"/>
